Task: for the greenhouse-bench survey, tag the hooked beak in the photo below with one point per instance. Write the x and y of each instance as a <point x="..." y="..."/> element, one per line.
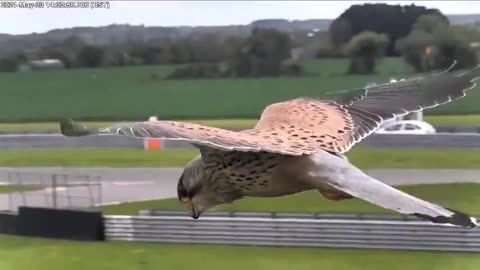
<point x="196" y="215"/>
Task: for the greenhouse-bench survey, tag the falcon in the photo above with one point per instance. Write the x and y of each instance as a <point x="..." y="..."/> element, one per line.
<point x="299" y="145"/>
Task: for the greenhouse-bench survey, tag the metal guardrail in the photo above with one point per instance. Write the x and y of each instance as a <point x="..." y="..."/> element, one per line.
<point x="320" y="231"/>
<point x="299" y="215"/>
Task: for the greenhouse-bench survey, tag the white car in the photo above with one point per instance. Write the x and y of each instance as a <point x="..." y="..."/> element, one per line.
<point x="406" y="127"/>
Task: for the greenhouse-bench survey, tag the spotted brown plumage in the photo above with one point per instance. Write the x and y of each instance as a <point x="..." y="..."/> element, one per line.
<point x="298" y="145"/>
<point x="295" y="127"/>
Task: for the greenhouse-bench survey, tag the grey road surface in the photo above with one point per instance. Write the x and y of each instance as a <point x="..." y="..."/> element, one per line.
<point x="17" y="141"/>
<point x="136" y="184"/>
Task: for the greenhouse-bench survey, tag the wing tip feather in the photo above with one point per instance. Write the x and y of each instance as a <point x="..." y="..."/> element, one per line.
<point x="462" y="219"/>
<point x="456" y="219"/>
<point x="70" y="128"/>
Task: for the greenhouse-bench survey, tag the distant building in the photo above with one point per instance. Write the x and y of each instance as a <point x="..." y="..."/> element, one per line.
<point x="44" y="64"/>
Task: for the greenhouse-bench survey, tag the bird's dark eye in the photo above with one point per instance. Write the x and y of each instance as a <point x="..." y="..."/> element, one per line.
<point x="181" y="190"/>
<point x="182" y="193"/>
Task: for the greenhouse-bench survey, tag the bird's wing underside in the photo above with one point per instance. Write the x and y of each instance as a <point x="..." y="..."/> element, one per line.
<point x="198" y="135"/>
<point x="305" y="125"/>
<point x="339" y="174"/>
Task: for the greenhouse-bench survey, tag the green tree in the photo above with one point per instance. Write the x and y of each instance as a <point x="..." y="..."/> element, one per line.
<point x="148" y="54"/>
<point x="429" y="23"/>
<point x="179" y="52"/>
<point x="470" y="33"/>
<point x="414" y="48"/>
<point x="208" y="48"/>
<point x="395" y="21"/>
<point x="262" y="54"/>
<point x="364" y="50"/>
<point x="449" y="46"/>
<point x="340" y="32"/>
<point x="10" y="63"/>
<point x="433" y="44"/>
<point x="327" y="50"/>
<point x="240" y="64"/>
<point x="90" y="56"/>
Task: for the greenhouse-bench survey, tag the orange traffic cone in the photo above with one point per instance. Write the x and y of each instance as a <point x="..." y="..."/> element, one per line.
<point x="152" y="144"/>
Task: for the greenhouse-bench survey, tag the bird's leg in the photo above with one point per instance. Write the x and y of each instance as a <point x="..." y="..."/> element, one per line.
<point x="335" y="195"/>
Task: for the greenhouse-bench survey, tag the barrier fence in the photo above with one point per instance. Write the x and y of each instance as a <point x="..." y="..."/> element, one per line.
<point x="295" y="230"/>
<point x="52" y="190"/>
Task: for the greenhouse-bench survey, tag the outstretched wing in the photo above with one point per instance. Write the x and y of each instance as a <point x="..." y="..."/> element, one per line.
<point x="336" y="125"/>
<point x="303" y="126"/>
<point x="295" y="127"/>
<point x="384" y="102"/>
<point x="348" y="97"/>
<point x="195" y="134"/>
<point x="329" y="170"/>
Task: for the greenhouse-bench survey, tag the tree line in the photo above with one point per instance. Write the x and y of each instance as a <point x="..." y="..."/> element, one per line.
<point x="363" y="33"/>
<point x="423" y="37"/>
<point x="263" y="53"/>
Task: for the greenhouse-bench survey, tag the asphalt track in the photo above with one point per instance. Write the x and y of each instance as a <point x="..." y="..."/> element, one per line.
<point x="29" y="141"/>
<point x="136" y="184"/>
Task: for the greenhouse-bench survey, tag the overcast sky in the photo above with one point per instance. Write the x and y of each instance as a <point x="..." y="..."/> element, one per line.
<point x="174" y="13"/>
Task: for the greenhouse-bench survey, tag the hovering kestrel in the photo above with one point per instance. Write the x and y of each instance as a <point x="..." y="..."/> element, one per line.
<point x="298" y="145"/>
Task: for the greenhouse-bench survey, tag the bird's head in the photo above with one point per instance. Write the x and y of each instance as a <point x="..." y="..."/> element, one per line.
<point x="196" y="192"/>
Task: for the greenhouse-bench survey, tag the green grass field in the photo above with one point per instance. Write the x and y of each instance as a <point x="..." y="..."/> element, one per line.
<point x="12" y="188"/>
<point x="18" y="253"/>
<point x="365" y="158"/>
<point x="133" y="93"/>
<point x="461" y="196"/>
<point x="460" y="120"/>
<point x="95" y="158"/>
